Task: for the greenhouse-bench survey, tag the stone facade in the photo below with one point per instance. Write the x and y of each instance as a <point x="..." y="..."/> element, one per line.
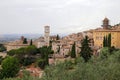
<point x="43" y="41"/>
<point x="47" y="35"/>
<point x="98" y="35"/>
<point x="64" y="45"/>
<point x="16" y="45"/>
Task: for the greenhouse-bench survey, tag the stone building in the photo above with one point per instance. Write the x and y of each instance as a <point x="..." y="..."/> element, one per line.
<point x="47" y="35"/>
<point x="99" y="34"/>
<point x="17" y="44"/>
<point x="43" y="41"/>
<point x="89" y="33"/>
<point x="64" y="45"/>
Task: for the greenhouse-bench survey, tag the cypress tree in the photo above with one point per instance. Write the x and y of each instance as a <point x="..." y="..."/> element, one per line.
<point x="73" y="51"/>
<point x="58" y="49"/>
<point x="58" y="37"/>
<point x="86" y="51"/>
<point x="109" y="40"/>
<point x="25" y="41"/>
<point x="45" y="51"/>
<point x="104" y="42"/>
<point x="31" y="42"/>
<point x="50" y="43"/>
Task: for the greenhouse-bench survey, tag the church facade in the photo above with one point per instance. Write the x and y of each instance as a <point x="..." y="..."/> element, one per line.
<point x="98" y="34"/>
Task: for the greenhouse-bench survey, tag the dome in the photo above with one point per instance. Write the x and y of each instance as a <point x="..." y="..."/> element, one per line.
<point x="106" y="19"/>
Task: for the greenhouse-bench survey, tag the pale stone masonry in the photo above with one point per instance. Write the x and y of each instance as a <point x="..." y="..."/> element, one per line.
<point x="100" y="33"/>
<point x="16" y="44"/>
<point x="47" y="35"/>
<point x="44" y="41"/>
<point x="64" y="45"/>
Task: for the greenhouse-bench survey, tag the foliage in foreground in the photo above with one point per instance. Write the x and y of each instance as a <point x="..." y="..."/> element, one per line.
<point x="25" y="77"/>
<point x="97" y="68"/>
<point x="10" y="67"/>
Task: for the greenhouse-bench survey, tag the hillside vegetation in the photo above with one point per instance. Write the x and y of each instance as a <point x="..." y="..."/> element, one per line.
<point x="104" y="67"/>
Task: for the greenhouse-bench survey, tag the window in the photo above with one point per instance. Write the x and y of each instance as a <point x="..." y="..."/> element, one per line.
<point x="113" y="43"/>
<point x="112" y="37"/>
<point x="97" y="37"/>
<point x="101" y="38"/>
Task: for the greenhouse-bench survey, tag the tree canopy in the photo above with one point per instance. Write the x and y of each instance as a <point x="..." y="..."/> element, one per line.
<point x="10" y="67"/>
<point x="2" y="48"/>
<point x="73" y="51"/>
<point x="58" y="37"/>
<point x="107" y="41"/>
<point x="25" y="41"/>
<point x="86" y="51"/>
<point x="31" y="42"/>
<point x="45" y="51"/>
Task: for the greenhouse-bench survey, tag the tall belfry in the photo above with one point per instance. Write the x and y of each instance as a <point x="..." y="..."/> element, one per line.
<point x="47" y="35"/>
<point x="106" y="23"/>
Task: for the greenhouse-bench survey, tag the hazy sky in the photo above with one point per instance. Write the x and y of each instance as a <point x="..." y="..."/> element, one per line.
<point x="64" y="16"/>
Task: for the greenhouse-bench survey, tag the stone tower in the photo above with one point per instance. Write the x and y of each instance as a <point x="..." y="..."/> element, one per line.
<point x="47" y="35"/>
<point x="105" y="23"/>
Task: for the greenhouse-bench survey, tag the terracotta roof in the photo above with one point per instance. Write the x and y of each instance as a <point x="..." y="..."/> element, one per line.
<point x="107" y="30"/>
<point x="18" y="44"/>
<point x="66" y="47"/>
<point x="58" y="56"/>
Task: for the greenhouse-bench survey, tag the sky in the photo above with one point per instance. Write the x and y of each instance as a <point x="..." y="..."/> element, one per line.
<point x="63" y="16"/>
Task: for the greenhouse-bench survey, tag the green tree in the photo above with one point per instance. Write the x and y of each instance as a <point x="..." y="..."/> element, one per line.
<point x="10" y="67"/>
<point x="41" y="63"/>
<point x="11" y="52"/>
<point x="45" y="51"/>
<point x="24" y="55"/>
<point x="27" y="61"/>
<point x="109" y="40"/>
<point x="25" y="41"/>
<point x="51" y="44"/>
<point x="1" y="58"/>
<point x="103" y="69"/>
<point x="58" y="37"/>
<point x="58" y="50"/>
<point x="31" y="42"/>
<point x="31" y="50"/>
<point x="104" y="53"/>
<point x="2" y="48"/>
<point x="86" y="51"/>
<point x="73" y="51"/>
<point x="104" y="42"/>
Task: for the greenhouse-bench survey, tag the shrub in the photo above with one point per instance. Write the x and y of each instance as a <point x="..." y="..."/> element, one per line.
<point x="27" y="61"/>
<point x="104" y="52"/>
<point x="97" y="68"/>
<point x="10" y="67"/>
<point x="41" y="63"/>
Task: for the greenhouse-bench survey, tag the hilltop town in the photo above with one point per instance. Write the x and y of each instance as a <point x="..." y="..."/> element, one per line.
<point x="59" y="48"/>
<point x="63" y="45"/>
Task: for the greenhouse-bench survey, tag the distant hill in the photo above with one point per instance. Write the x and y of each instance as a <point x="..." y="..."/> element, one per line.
<point x="12" y="37"/>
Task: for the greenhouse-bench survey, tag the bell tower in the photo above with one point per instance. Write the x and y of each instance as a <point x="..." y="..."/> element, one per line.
<point x="106" y="23"/>
<point x="47" y="35"/>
